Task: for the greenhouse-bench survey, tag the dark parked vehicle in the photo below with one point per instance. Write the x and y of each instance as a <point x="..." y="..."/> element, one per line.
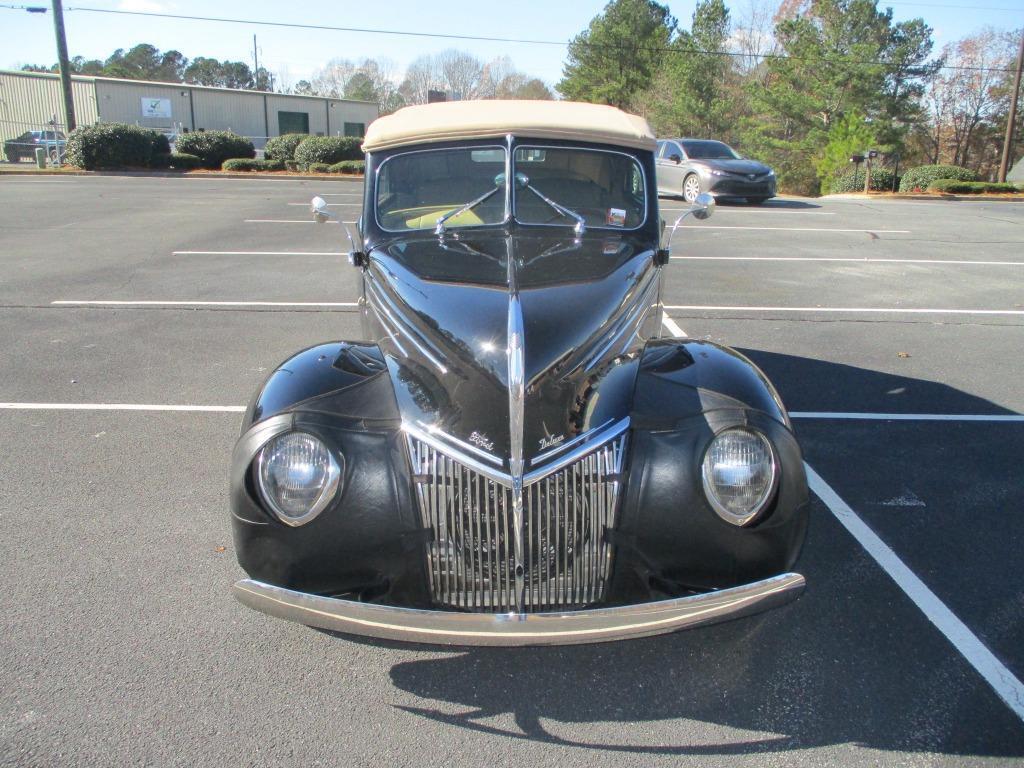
<point x="689" y="167"/>
<point x="512" y="454"/>
<point x="24" y="147"/>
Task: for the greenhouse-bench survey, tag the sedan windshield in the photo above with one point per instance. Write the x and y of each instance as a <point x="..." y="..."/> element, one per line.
<point x="709" y="150"/>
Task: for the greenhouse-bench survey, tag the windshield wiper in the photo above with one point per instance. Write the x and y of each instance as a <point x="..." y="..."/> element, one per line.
<point x="581" y="224"/>
<point x="440" y="229"/>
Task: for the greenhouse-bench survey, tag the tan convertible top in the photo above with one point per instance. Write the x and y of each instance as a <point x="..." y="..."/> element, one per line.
<point x="453" y="120"/>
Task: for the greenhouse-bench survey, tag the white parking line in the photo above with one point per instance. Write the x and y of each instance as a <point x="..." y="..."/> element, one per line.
<point x="906" y="416"/>
<point x="672" y="327"/>
<point x="342" y="194"/>
<point x="843" y="259"/>
<point x="120" y="407"/>
<point x="770" y="211"/>
<point x="257" y="253"/>
<point x="797" y="229"/>
<point x="289" y="221"/>
<point x="876" y="310"/>
<point x="995" y="673"/>
<point x="67" y="303"/>
<point x="38" y="181"/>
<point x="334" y="205"/>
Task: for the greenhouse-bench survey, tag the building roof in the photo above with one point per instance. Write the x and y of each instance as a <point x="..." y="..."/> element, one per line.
<point x="130" y="81"/>
<point x="453" y="120"/>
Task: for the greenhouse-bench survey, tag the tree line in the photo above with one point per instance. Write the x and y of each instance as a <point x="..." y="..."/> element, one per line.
<point x="147" y="62"/>
<point x="801" y="85"/>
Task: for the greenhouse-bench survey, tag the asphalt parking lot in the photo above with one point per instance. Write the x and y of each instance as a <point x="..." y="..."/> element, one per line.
<point x="893" y="330"/>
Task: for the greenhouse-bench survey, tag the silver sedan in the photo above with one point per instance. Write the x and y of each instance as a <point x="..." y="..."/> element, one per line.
<point x="687" y="167"/>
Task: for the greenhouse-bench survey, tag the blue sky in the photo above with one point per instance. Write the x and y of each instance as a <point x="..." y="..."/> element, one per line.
<point x="295" y="54"/>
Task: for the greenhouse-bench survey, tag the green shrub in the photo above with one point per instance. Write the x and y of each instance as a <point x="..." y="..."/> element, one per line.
<point x="957" y="187"/>
<point x="291" y="165"/>
<point x="116" y="145"/>
<point x="160" y="160"/>
<point x="920" y="177"/>
<point x="348" y="166"/>
<point x="214" y="147"/>
<point x="249" y="164"/>
<point x="283" y="147"/>
<point x="328" y="149"/>
<point x="183" y="161"/>
<point x="853" y="181"/>
<point x="318" y="168"/>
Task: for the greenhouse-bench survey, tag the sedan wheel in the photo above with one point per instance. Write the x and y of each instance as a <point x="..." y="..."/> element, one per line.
<point x="691" y="188"/>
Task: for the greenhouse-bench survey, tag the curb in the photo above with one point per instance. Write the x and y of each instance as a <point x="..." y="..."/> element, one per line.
<point x="997" y="198"/>
<point x="190" y="175"/>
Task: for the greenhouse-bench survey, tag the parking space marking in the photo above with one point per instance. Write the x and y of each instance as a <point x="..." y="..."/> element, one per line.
<point x="334" y="205"/>
<point x="770" y="211"/>
<point x="861" y="310"/>
<point x="906" y="416"/>
<point x="118" y="303"/>
<point x="844" y="259"/>
<point x="995" y="673"/>
<point x="257" y="253"/>
<point x="290" y="221"/>
<point x="120" y="407"/>
<point x="672" y="327"/>
<point x="798" y="229"/>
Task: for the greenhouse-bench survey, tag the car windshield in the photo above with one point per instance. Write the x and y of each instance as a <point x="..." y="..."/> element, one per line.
<point x="606" y="189"/>
<point x="709" y="150"/>
<point x="452" y="188"/>
<point x="415" y="189"/>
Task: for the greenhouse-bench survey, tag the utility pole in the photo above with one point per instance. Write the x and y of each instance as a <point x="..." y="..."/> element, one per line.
<point x="65" y="70"/>
<point x="255" y="63"/>
<point x="1011" y="121"/>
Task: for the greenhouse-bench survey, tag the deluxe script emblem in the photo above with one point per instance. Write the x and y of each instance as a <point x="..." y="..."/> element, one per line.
<point x="550" y="441"/>
<point x="481" y="441"/>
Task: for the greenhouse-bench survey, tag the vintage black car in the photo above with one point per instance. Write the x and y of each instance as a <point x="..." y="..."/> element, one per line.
<point x="513" y="454"/>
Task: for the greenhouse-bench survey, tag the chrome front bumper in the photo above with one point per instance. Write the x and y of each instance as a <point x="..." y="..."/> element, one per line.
<point x="567" y="628"/>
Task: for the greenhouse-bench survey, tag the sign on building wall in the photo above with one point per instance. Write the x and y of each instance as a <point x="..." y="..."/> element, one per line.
<point x="156" y="107"/>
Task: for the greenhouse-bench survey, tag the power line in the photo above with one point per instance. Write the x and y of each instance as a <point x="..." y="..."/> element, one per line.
<point x="527" y="41"/>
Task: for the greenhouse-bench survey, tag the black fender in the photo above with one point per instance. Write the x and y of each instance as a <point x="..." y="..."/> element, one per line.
<point x="367" y="541"/>
<point x="669" y="537"/>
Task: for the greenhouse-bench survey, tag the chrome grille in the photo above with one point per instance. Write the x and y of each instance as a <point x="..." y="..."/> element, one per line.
<point x="471" y="559"/>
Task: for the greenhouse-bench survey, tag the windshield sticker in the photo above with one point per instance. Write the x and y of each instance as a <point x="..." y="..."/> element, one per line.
<point x="616" y="217"/>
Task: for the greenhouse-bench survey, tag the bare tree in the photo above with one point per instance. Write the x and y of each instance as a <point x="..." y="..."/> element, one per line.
<point x="969" y="98"/>
<point x="753" y="35"/>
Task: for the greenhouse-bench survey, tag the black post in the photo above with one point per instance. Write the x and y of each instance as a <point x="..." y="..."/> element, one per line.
<point x="65" y="71"/>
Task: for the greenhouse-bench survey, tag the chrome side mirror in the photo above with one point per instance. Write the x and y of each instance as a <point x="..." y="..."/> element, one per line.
<point x="318" y="207"/>
<point x="703" y="206"/>
<point x="701" y="209"/>
<point x="321" y="215"/>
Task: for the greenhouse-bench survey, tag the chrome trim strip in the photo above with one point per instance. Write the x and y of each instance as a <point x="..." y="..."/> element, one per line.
<point x="517" y="423"/>
<point x="431" y="438"/>
<point x="392" y="333"/>
<point x="542" y="457"/>
<point x="595" y="442"/>
<point x="518" y="629"/>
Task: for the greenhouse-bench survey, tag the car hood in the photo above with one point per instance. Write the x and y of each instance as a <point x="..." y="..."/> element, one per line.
<point x="742" y="167"/>
<point x="444" y="309"/>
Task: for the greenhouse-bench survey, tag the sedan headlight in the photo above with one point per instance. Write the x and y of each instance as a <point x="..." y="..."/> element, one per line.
<point x="297" y="476"/>
<point x="739" y="473"/>
<point x="717" y="172"/>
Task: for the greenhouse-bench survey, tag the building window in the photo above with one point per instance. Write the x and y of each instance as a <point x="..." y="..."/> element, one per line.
<point x="292" y="122"/>
<point x="355" y="129"/>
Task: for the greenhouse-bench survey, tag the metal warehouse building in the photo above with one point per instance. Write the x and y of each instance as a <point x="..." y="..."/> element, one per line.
<point x="30" y="101"/>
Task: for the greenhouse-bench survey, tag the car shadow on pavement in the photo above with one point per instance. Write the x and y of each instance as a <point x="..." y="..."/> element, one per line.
<point x="852" y="663"/>
<point x="808" y="384"/>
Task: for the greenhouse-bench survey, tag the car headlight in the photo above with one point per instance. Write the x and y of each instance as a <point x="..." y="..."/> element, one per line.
<point x="297" y="476"/>
<point x="739" y="473"/>
<point x="716" y="172"/>
<point x="771" y="172"/>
